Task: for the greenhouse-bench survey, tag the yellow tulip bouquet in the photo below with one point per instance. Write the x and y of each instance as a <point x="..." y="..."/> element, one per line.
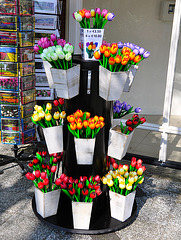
<point x="43" y="117"/>
<point x="124" y="179"/>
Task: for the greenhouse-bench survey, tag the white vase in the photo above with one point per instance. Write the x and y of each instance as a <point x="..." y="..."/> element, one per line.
<point x="54" y="139"/>
<point x="121" y="206"/>
<point x="84" y="148"/>
<point x="88" y="36"/>
<point x="47" y="203"/>
<point x="66" y="82"/>
<point x="131" y="75"/>
<point x="111" y="84"/>
<point x="118" y="142"/>
<point x="81" y="212"/>
<point x="47" y="67"/>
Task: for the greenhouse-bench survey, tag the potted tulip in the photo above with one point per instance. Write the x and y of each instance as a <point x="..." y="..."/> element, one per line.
<point x="84" y="129"/>
<point x="92" y="24"/>
<point x="47" y="192"/>
<point x="81" y="191"/>
<point x="62" y="74"/>
<point x="116" y="67"/>
<point x="51" y="124"/>
<point x="122" y="182"/>
<point x="120" y="136"/>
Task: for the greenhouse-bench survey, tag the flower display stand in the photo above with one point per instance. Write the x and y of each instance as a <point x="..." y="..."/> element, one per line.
<point x="87" y="100"/>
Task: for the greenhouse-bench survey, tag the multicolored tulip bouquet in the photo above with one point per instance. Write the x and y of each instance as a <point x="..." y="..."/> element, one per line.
<point x="122" y="109"/>
<point x="80" y="190"/>
<point x="43" y="117"/>
<point x="57" y="52"/>
<point x="99" y="19"/>
<point x="81" y="125"/>
<point x="44" y="173"/>
<point x="120" y="57"/>
<point x="124" y="179"/>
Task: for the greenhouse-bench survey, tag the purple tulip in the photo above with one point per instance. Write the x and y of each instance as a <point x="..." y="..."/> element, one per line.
<point x="124" y="105"/>
<point x="40" y="43"/>
<point x="137" y="110"/>
<point x="98" y="11"/>
<point x="53" y="37"/>
<point x="141" y="51"/>
<point x="132" y="46"/>
<point x="137" y="47"/>
<point x="136" y="51"/>
<point x="51" y="43"/>
<point x="104" y="12"/>
<point x="87" y="44"/>
<point x="61" y="42"/>
<point x="127" y="107"/>
<point x="146" y="54"/>
<point x="120" y="44"/>
<point x="46" y="44"/>
<point x="36" y="48"/>
<point x="110" y="17"/>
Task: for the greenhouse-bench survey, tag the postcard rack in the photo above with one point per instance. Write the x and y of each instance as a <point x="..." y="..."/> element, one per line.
<point x="17" y="73"/>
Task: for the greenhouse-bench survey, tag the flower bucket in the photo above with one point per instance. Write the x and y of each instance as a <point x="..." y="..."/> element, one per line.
<point x="47" y="67"/>
<point x="131" y="75"/>
<point x="111" y="84"/>
<point x="54" y="139"/>
<point x="66" y="82"/>
<point x="91" y="40"/>
<point x="47" y="203"/>
<point x="118" y="143"/>
<point x="84" y="148"/>
<point x="121" y="206"/>
<point x="81" y="212"/>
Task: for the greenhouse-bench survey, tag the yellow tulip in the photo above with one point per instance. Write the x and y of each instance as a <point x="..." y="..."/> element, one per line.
<point x="108" y="176"/>
<point x="56" y="115"/>
<point x="131" y="180"/>
<point x="122" y="185"/>
<point x="125" y="167"/>
<point x="129" y="186"/>
<point x="104" y="180"/>
<point x="36" y="107"/>
<point x="135" y="178"/>
<point x="48" y="117"/>
<point x="121" y="179"/>
<point x="49" y="106"/>
<point x="41" y="114"/>
<point x="63" y="114"/>
<point x="126" y="175"/>
<point x="121" y="171"/>
<point x="39" y="109"/>
<point x="35" y="117"/>
<point x="141" y="180"/>
<point x="140" y="171"/>
<point x="110" y="182"/>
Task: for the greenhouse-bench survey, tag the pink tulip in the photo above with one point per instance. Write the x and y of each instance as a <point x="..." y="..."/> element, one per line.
<point x="88" y="14"/>
<point x="104" y="12"/>
<point x="36" y="48"/>
<point x="98" y="11"/>
<point x="53" y="37"/>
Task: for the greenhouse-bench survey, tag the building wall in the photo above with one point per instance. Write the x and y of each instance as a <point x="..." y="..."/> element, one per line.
<point x="138" y="21"/>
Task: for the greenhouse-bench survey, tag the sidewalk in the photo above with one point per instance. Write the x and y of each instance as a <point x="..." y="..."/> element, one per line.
<point x="158" y="214"/>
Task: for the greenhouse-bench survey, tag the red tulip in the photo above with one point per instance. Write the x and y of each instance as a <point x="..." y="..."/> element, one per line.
<point x="46" y="181"/>
<point x="58" y="181"/>
<point x="97" y="178"/>
<point x="93" y="195"/>
<point x="43" y="175"/>
<point x="138" y="166"/>
<point x="62" y="176"/>
<point x="71" y="180"/>
<point x="55" y="154"/>
<point x="37" y="173"/>
<point x="115" y="165"/>
<point x="133" y="162"/>
<point x="139" y="161"/>
<point x="63" y="185"/>
<point x="83" y="179"/>
<point x="70" y="185"/>
<point x="80" y="185"/>
<point x="91" y="186"/>
<point x="142" y="120"/>
<point x="35" y="161"/>
<point x="98" y="191"/>
<point x="53" y="169"/>
<point x="112" y="160"/>
<point x="72" y="191"/>
<point x="44" y="166"/>
<point x="61" y="101"/>
<point x="32" y="177"/>
<point x="85" y="191"/>
<point x="55" y="160"/>
<point x="39" y="153"/>
<point x="120" y="166"/>
<point x="96" y="186"/>
<point x="30" y="164"/>
<point x="48" y="166"/>
<point x="66" y="179"/>
<point x="143" y="168"/>
<point x="76" y="181"/>
<point x="128" y="122"/>
<point x="130" y="129"/>
<point x="28" y="176"/>
<point x="56" y="103"/>
<point x="40" y="185"/>
<point x="44" y="153"/>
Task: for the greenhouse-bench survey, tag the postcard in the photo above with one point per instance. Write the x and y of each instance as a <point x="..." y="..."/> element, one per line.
<point x="28" y="96"/>
<point x="41" y="79"/>
<point x="11" y="125"/>
<point x="28" y="136"/>
<point x="46" y="6"/>
<point x="27" y="54"/>
<point x="27" y="39"/>
<point x="9" y="98"/>
<point x="45" y="21"/>
<point x="26" y="8"/>
<point x="8" y="23"/>
<point x="27" y="109"/>
<point x="8" y="7"/>
<point x="8" y="39"/>
<point x="27" y="68"/>
<point x="10" y="137"/>
<point x="8" y="69"/>
<point x="8" y="54"/>
<point x="26" y="123"/>
<point x="10" y="111"/>
<point x="26" y="23"/>
<point x="44" y="93"/>
<point x="9" y="84"/>
<point x="27" y="82"/>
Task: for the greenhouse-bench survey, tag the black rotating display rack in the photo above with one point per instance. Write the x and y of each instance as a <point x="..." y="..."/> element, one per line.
<point x="87" y="100"/>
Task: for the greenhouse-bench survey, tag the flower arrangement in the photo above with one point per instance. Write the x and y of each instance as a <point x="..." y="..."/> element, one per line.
<point x="122" y="109"/>
<point x="82" y="126"/>
<point x="120" y="57"/>
<point x="43" y="117"/>
<point x="131" y="124"/>
<point x="80" y="190"/>
<point x="57" y="52"/>
<point x="43" y="173"/>
<point x="124" y="179"/>
<point x="99" y="19"/>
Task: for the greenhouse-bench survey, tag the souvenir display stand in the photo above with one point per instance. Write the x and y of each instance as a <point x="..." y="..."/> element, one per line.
<point x="87" y="100"/>
<point x="17" y="77"/>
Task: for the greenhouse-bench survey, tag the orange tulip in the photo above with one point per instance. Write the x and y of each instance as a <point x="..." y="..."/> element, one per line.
<point x="107" y="53"/>
<point x="118" y="59"/>
<point x="92" y="125"/>
<point x="96" y="118"/>
<point x="82" y="13"/>
<point x="131" y="55"/>
<point x="87" y="115"/>
<point x="137" y="59"/>
<point x="78" y="113"/>
<point x="102" y="48"/>
<point x="102" y="124"/>
<point x="125" y="60"/>
<point x="111" y="61"/>
<point x="71" y="118"/>
<point x="98" y="124"/>
<point x="77" y="120"/>
<point x="79" y="125"/>
<point x="101" y="119"/>
<point x="73" y="126"/>
<point x="97" y="55"/>
<point x="85" y="123"/>
<point x="126" y="50"/>
<point x="114" y="48"/>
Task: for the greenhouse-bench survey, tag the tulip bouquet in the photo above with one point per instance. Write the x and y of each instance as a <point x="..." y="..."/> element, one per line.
<point x="42" y="116"/>
<point x="122" y="109"/>
<point x="124" y="179"/>
<point x="43" y="173"/>
<point x="119" y="56"/>
<point x="99" y="19"/>
<point x="56" y="51"/>
<point x="80" y="190"/>
<point x="82" y="126"/>
<point x="131" y="124"/>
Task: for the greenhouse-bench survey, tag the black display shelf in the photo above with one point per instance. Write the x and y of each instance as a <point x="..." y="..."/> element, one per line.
<point x="101" y="220"/>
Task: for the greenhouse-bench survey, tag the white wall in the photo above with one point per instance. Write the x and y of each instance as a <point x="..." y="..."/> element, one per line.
<point x="138" y="21"/>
